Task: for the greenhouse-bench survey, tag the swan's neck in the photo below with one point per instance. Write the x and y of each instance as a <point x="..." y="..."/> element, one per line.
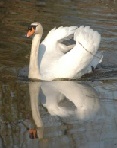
<point x="33" y="65"/>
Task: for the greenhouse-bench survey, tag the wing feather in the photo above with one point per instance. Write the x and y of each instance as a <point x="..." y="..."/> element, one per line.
<point x="58" y="34"/>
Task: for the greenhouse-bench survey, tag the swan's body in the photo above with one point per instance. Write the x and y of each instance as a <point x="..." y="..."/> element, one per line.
<point x="51" y="59"/>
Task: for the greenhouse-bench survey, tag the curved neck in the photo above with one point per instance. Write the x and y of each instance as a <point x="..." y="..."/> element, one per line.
<point x="33" y="65"/>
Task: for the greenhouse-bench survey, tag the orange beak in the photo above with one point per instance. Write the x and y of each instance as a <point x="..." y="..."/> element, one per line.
<point x="30" y="32"/>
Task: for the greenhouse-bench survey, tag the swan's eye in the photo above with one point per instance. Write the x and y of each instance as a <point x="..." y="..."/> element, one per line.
<point x="34" y="27"/>
<point x="30" y="27"/>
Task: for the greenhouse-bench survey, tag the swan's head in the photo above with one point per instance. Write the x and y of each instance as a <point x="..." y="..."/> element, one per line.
<point x="34" y="28"/>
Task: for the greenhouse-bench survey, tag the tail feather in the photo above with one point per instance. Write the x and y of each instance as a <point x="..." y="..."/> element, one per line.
<point x="95" y="61"/>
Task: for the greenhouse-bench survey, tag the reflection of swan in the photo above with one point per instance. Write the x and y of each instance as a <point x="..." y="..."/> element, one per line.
<point x="82" y="97"/>
<point x="99" y="128"/>
<point x="33" y="90"/>
<point x="56" y="97"/>
<point x="51" y="59"/>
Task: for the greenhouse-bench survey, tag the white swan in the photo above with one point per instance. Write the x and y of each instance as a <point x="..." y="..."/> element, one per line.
<point x="51" y="59"/>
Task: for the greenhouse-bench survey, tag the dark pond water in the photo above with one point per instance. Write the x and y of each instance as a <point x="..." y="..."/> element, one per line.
<point x="62" y="113"/>
<point x="58" y="114"/>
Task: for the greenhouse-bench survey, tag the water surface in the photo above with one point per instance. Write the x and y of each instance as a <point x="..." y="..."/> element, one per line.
<point x="62" y="113"/>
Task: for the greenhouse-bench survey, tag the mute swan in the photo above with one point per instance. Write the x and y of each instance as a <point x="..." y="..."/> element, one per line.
<point x="51" y="59"/>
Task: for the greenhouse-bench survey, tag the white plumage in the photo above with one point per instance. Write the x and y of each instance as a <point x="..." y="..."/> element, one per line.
<point x="52" y="59"/>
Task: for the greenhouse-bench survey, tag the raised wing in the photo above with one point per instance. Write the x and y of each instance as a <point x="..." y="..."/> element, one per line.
<point x="55" y="35"/>
<point x="80" y="57"/>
